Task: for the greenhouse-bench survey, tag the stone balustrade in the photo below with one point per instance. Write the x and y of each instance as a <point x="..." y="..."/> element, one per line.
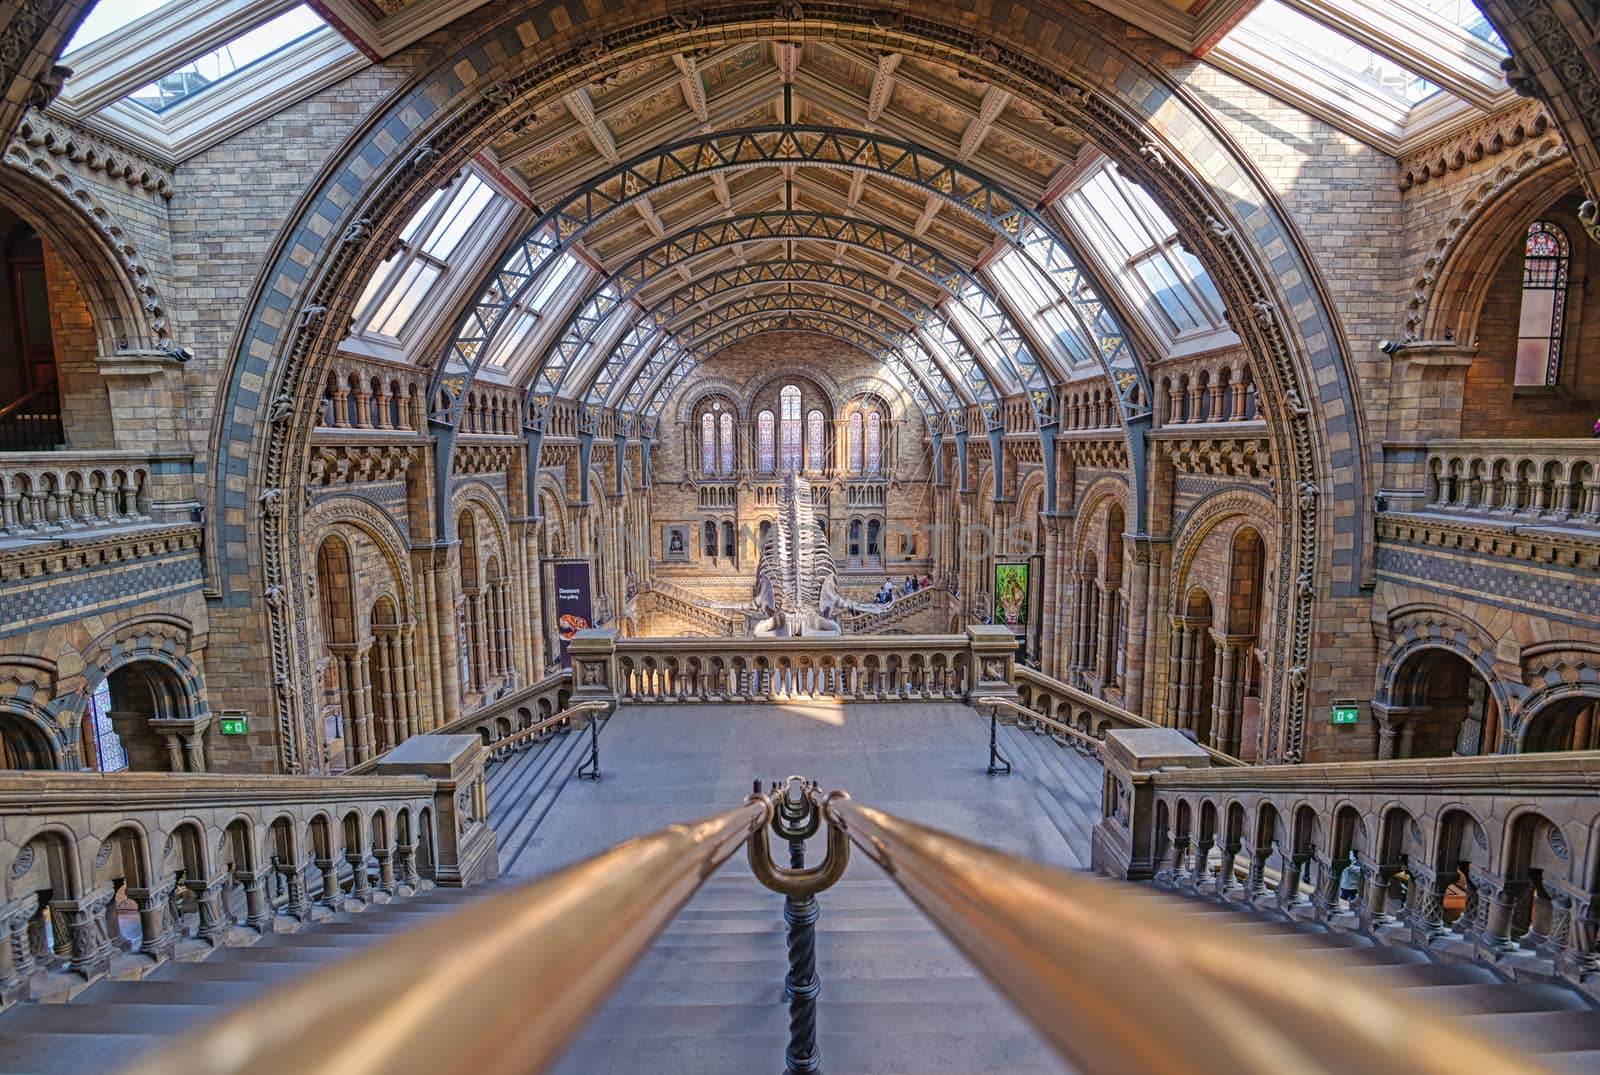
<point x="1536" y="481"/>
<point x="1082" y="711"/>
<point x="828" y="669"/>
<point x="880" y="617"/>
<point x="1491" y="858"/>
<point x="370" y="394"/>
<point x="109" y="873"/>
<point x="57" y="493"/>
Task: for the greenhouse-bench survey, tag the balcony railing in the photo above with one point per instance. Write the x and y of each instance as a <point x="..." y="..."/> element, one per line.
<point x="1548" y="482"/>
<point x="33" y="422"/>
<point x="1489" y="858"/>
<point x="58" y="492"/>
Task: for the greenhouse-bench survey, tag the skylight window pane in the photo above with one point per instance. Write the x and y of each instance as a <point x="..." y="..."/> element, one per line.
<point x="973" y="329"/>
<point x="1169" y="293"/>
<point x="109" y="16"/>
<point x="222" y="63"/>
<point x="1300" y="35"/>
<point x="464" y="211"/>
<point x="1462" y="13"/>
<point x="420" y="217"/>
<point x="402" y="302"/>
<point x="1201" y="279"/>
<point x="554" y="277"/>
<point x="510" y="337"/>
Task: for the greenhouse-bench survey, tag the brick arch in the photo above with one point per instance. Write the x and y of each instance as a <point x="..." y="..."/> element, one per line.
<point x="1191" y="531"/>
<point x="1456" y="277"/>
<point x="1138" y="113"/>
<point x="129" y="313"/>
<point x="30" y="41"/>
<point x="704" y="391"/>
<point x="1421" y="628"/>
<point x="374" y="522"/>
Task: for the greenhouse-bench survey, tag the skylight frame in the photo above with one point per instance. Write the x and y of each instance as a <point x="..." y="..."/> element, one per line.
<point x="109" y="69"/>
<point x="1118" y="261"/>
<point x="261" y="43"/>
<point x="1049" y="317"/>
<point x="1466" y="73"/>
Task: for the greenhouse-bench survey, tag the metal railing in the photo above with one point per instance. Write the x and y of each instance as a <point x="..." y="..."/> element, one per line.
<point x="1111" y="984"/>
<point x="32" y="423"/>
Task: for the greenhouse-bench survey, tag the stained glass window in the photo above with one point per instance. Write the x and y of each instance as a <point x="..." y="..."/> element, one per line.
<point x="874" y="442"/>
<point x="1544" y="301"/>
<point x="854" y="438"/>
<point x="815" y="459"/>
<point x="727" y="443"/>
<point x="708" y="443"/>
<point x="107" y="743"/>
<point x="789" y="402"/>
<point x="766" y="455"/>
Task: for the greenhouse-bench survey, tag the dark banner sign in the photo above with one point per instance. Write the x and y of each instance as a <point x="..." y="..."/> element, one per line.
<point x="574" y="607"/>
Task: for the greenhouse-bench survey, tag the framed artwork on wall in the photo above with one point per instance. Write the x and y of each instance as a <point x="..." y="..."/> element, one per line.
<point x="675" y="544"/>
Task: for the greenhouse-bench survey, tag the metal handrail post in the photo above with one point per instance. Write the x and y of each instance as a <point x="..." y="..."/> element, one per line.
<point x="590" y="769"/>
<point x="999" y="764"/>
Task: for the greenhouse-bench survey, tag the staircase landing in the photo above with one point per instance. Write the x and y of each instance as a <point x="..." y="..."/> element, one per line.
<point x="666" y="763"/>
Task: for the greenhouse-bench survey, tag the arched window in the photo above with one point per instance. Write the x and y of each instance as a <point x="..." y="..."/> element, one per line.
<point x="815" y="456"/>
<point x="727" y="443"/>
<point x="708" y="443"/>
<point x="727" y="539"/>
<point x="874" y="528"/>
<point x="874" y="442"/>
<point x="854" y="438"/>
<point x="710" y="540"/>
<point x="766" y="456"/>
<point x="1544" y="301"/>
<point x="789" y="403"/>
<point x="855" y="539"/>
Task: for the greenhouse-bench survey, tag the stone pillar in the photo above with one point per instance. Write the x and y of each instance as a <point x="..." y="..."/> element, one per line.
<point x="194" y="752"/>
<point x="992" y="652"/>
<point x="1125" y="840"/>
<point x="466" y="851"/>
<point x="414" y="724"/>
<point x="158" y="937"/>
<point x="362" y="668"/>
<point x="174" y="752"/>
<point x="1137" y="595"/>
<point x="594" y="665"/>
<point x="258" y="913"/>
<point x="1052" y="597"/>
<point x="332" y="895"/>
<point x="83" y="922"/>
<point x="208" y="900"/>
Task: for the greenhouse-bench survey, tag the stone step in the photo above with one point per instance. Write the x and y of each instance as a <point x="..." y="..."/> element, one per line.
<point x="1483" y="998"/>
<point x="103" y="1019"/>
<point x="152" y="991"/>
<point x="70" y="1054"/>
<point x="877" y="1053"/>
<point x="516" y="831"/>
<point x="1544" y="1032"/>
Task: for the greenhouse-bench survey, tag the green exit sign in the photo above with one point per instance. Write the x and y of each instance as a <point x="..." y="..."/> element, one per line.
<point x="234" y="726"/>
<point x="1346" y="713"/>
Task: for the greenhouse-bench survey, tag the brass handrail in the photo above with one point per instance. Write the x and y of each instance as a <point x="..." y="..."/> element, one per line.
<point x="1051" y="722"/>
<point x="532" y="730"/>
<point x="1119" y="984"/>
<point x="500" y="987"/>
<point x="43" y="390"/>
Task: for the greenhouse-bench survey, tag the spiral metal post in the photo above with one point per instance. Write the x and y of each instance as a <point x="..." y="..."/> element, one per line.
<point x="802" y="985"/>
<point x="999" y="764"/>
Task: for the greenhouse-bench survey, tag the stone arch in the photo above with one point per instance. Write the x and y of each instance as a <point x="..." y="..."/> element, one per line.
<point x="373" y="521"/>
<point x="128" y="310"/>
<point x="1456" y="276"/>
<point x="1210" y="189"/>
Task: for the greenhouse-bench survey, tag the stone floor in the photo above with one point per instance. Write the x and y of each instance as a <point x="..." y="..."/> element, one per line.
<point x="924" y="761"/>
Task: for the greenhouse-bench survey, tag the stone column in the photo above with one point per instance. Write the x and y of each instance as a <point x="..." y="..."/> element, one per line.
<point x="84" y="923"/>
<point x="1125" y="841"/>
<point x="332" y="896"/>
<point x="446" y="659"/>
<point x="194" y="751"/>
<point x="258" y="913"/>
<point x="174" y="752"/>
<point x="208" y="900"/>
<point x="1135" y="615"/>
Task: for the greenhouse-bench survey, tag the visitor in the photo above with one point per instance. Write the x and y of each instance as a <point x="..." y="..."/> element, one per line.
<point x="1350" y="879"/>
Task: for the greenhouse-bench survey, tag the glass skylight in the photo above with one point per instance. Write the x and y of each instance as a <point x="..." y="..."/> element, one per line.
<point x="1298" y="35"/>
<point x="219" y="64"/>
<point x="1465" y="14"/>
<point x="109" y="16"/>
<point x="1139" y="243"/>
<point x="1036" y="296"/>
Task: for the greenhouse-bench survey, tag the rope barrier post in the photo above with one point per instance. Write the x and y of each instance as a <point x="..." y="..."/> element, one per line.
<point x="999" y="764"/>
